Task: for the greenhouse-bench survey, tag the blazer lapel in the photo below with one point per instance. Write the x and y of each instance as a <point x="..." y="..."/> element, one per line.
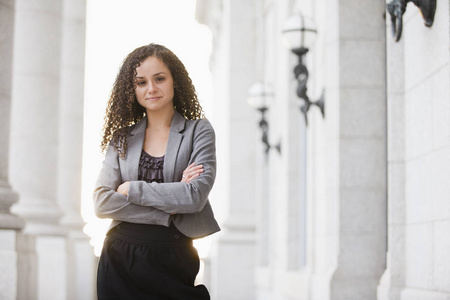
<point x="135" y="143"/>
<point x="173" y="146"/>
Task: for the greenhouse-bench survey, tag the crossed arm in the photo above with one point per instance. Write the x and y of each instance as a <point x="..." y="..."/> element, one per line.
<point x="191" y="172"/>
<point x="153" y="203"/>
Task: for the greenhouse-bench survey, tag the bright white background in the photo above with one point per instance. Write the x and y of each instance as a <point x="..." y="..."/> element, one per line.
<point x="114" y="28"/>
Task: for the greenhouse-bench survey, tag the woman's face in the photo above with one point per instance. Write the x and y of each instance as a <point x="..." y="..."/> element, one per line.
<point x="154" y="85"/>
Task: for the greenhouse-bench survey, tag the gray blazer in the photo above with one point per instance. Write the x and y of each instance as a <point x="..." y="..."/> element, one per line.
<point x="185" y="204"/>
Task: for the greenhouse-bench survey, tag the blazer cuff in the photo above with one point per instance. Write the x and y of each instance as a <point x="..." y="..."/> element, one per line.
<point x="134" y="193"/>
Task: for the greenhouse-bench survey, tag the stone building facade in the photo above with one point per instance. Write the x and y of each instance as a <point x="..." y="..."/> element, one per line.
<point x="356" y="206"/>
<point x="44" y="252"/>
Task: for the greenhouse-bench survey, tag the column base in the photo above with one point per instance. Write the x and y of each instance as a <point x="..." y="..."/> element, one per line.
<point x="384" y="287"/>
<point x="7" y="198"/>
<point x="233" y="270"/>
<point x="42" y="267"/>
<point x="81" y="267"/>
<point x="56" y="267"/>
<point x="320" y="284"/>
<point x="42" y="218"/>
<point x="42" y="229"/>
<point x="10" y="221"/>
<point x="353" y="288"/>
<point x="74" y="223"/>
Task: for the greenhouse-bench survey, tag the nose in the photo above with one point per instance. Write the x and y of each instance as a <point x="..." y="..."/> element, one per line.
<point x="151" y="88"/>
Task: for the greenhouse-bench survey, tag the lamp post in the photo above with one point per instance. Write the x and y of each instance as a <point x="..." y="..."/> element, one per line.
<point x="299" y="34"/>
<point x="258" y="97"/>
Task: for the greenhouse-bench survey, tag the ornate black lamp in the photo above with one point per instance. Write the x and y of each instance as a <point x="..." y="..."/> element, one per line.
<point x="299" y="34"/>
<point x="259" y="95"/>
<point x="397" y="8"/>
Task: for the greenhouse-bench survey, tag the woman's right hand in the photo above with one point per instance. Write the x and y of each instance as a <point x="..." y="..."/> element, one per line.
<point x="191" y="172"/>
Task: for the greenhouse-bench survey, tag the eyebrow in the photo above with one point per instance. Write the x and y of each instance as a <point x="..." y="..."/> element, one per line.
<point x="160" y="73"/>
<point x="154" y="75"/>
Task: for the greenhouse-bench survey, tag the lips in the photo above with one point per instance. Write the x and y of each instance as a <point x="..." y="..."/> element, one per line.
<point x="152" y="98"/>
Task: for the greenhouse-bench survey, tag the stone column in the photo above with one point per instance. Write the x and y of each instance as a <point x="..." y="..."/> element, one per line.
<point x="80" y="255"/>
<point x="8" y="222"/>
<point x="71" y="113"/>
<point x="7" y="196"/>
<point x="34" y="125"/>
<point x="233" y="67"/>
<point x="393" y="279"/>
<point x="361" y="214"/>
<point x="34" y="148"/>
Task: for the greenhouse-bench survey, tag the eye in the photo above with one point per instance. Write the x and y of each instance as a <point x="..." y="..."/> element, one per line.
<point x="160" y="79"/>
<point x="140" y="83"/>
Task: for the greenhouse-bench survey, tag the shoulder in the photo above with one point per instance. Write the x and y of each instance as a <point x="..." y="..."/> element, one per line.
<point x="119" y="134"/>
<point x="199" y="125"/>
<point x="122" y="136"/>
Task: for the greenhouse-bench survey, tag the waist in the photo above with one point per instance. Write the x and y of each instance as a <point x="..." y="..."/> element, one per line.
<point x="146" y="234"/>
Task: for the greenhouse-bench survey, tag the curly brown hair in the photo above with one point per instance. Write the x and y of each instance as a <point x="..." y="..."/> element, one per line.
<point x="123" y="109"/>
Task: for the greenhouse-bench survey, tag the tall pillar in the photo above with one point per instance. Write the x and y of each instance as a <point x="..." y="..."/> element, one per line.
<point x="8" y="222"/>
<point x="34" y="124"/>
<point x="393" y="279"/>
<point x="7" y="196"/>
<point x="34" y="148"/>
<point x="360" y="92"/>
<point x="232" y="275"/>
<point x="70" y="123"/>
<point x="80" y="255"/>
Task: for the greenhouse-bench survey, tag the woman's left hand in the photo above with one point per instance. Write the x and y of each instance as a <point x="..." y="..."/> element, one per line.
<point x="123" y="188"/>
<point x="191" y="172"/>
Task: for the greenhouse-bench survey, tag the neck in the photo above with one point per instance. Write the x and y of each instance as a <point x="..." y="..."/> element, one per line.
<point x="160" y="118"/>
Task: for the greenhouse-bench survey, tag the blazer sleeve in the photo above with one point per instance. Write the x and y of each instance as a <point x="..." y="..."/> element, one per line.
<point x="181" y="197"/>
<point x="110" y="204"/>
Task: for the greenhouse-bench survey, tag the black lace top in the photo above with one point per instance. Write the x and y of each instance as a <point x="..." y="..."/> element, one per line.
<point x="151" y="168"/>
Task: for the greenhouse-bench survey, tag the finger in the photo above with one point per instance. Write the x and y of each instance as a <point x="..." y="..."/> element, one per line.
<point x="189" y="180"/>
<point x="188" y="177"/>
<point x="191" y="165"/>
<point x="184" y="178"/>
<point x="190" y="170"/>
<point x="193" y="169"/>
<point x="194" y="172"/>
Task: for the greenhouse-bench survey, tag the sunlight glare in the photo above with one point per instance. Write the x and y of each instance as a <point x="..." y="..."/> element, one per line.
<point x="113" y="29"/>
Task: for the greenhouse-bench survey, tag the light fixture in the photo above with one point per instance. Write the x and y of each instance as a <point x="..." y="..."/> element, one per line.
<point x="299" y="34"/>
<point x="258" y="97"/>
<point x="397" y="8"/>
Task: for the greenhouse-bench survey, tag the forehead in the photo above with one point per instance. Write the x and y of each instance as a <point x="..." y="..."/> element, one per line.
<point x="152" y="64"/>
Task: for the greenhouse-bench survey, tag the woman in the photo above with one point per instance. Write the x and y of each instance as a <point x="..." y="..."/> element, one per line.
<point x="158" y="170"/>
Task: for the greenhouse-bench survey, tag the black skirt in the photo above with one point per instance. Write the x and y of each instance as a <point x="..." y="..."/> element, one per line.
<point x="148" y="262"/>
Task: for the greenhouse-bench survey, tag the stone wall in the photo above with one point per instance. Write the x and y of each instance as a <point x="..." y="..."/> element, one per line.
<point x="356" y="206"/>
<point x="419" y="159"/>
